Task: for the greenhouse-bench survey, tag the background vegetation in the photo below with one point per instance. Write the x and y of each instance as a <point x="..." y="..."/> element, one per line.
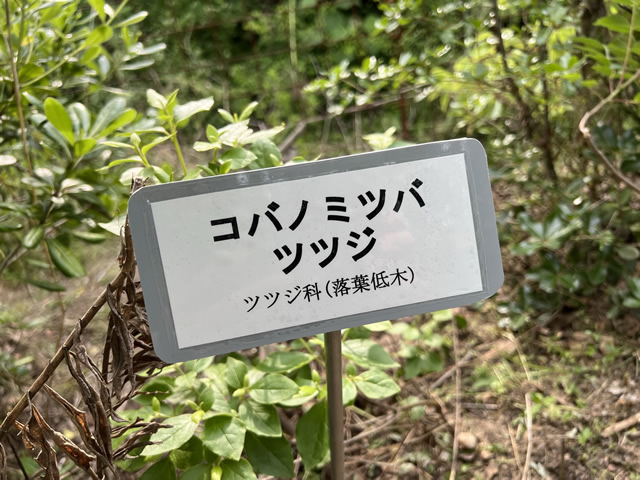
<point x="93" y="94"/>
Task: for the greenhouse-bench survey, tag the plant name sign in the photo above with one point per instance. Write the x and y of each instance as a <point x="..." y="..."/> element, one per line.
<point x="240" y="260"/>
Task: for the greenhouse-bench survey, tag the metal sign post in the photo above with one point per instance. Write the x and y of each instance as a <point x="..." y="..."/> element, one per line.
<point x="333" y="359"/>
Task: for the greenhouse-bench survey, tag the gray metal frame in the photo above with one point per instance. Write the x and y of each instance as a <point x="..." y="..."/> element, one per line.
<point x="152" y="273"/>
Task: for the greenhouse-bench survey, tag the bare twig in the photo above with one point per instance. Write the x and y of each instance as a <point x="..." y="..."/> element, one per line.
<point x="621" y="425"/>
<point x="514" y="447"/>
<point x="59" y="356"/>
<point x="456" y="427"/>
<point x="527" y="460"/>
<point x="586" y="133"/>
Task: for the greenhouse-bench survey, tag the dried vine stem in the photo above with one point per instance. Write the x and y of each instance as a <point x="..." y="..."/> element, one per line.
<point x="127" y="266"/>
<point x="586" y="133"/>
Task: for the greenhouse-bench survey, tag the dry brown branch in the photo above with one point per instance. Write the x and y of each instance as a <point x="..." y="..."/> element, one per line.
<point x="586" y="133"/>
<point x="514" y="447"/>
<point x="621" y="425"/>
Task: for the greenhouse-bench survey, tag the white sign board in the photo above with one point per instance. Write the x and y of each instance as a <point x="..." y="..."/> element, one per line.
<point x="240" y="260"/>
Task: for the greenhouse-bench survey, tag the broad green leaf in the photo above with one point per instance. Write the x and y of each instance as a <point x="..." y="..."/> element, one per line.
<point x="49" y="286"/>
<point x="312" y="436"/>
<point x="186" y="111"/>
<point x="240" y="470"/>
<point x="261" y="135"/>
<point x="616" y="23"/>
<point x="308" y="391"/>
<point x="162" y="470"/>
<point x="125" y="118"/>
<point x="199" y="472"/>
<point x="224" y="435"/>
<point x="267" y="154"/>
<point x="139" y="65"/>
<point x="284" y="362"/>
<point x="6" y="160"/>
<point x="133" y="19"/>
<point x="349" y="391"/>
<point x="628" y="252"/>
<point x="212" y="133"/>
<point x="80" y="112"/>
<point x="33" y="238"/>
<point x="270" y="456"/>
<point x="379" y="326"/>
<point x="203" y="146"/>
<point x="89" y="237"/>
<point x="368" y="353"/>
<point x="634" y="286"/>
<point x="248" y="110"/>
<point x="98" y="6"/>
<point x="236" y="370"/>
<point x="180" y="431"/>
<point x="273" y="388"/>
<point x="260" y="419"/>
<point x="59" y="118"/>
<point x="98" y="36"/>
<point x="64" y="260"/>
<point x="239" y="157"/>
<point x="82" y="147"/>
<point x="376" y="384"/>
<point x="226" y="115"/>
<point x="118" y="145"/>
<point x="631" y="302"/>
<point x="189" y="454"/>
<point x="154" y="142"/>
<point x="120" y="162"/>
<point x="111" y="111"/>
<point x="155" y="99"/>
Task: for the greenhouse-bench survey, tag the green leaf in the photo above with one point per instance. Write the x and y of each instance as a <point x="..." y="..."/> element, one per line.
<point x="235" y="372"/>
<point x="226" y="115"/>
<point x="33" y="238"/>
<point x="204" y="146"/>
<point x="80" y="117"/>
<point x="133" y="19"/>
<point x="368" y="353"/>
<point x="312" y="436"/>
<point x="191" y="453"/>
<point x="376" y="384"/>
<point x="180" y="431"/>
<point x="49" y="286"/>
<point x="98" y="6"/>
<point x="628" y="252"/>
<point x="162" y="470"/>
<point x="212" y="134"/>
<point x="270" y="456"/>
<point x="155" y="99"/>
<point x="110" y="112"/>
<point x="308" y="391"/>
<point x="349" y="391"/>
<point x="273" y="388"/>
<point x="634" y="286"/>
<point x="82" y="147"/>
<point x="64" y="260"/>
<point x="240" y="470"/>
<point x="248" y="110"/>
<point x="115" y="225"/>
<point x="615" y="23"/>
<point x="379" y="326"/>
<point x="125" y="118"/>
<point x="186" y="111"/>
<point x="239" y="157"/>
<point x="260" y="419"/>
<point x="224" y="435"/>
<point x="6" y="160"/>
<point x="199" y="472"/>
<point x="267" y="155"/>
<point x="59" y="118"/>
<point x="284" y="362"/>
<point x="154" y="142"/>
<point x="98" y="36"/>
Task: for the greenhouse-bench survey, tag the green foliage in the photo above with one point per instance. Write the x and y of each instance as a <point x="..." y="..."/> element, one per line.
<point x="223" y="410"/>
